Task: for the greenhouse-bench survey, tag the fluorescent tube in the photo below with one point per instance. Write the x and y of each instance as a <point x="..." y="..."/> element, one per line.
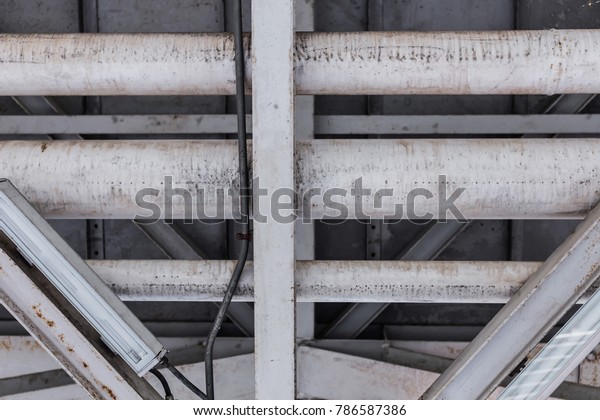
<point x="563" y="353"/>
<point x="119" y="329"/>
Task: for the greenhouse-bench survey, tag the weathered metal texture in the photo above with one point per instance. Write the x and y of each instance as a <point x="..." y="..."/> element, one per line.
<point x="176" y="244"/>
<point x="408" y="281"/>
<point x="117" y="64"/>
<point x="273" y="104"/>
<point x="33" y="105"/>
<point x="322" y="281"/>
<point x="376" y="63"/>
<point x="357" y="317"/>
<point x="529" y="315"/>
<point x="57" y="334"/>
<point x="27" y="360"/>
<point x="102" y="178"/>
<point x="506" y="62"/>
<point x="503" y="178"/>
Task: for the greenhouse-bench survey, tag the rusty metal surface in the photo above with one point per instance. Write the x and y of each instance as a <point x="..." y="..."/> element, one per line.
<point x="58" y="335"/>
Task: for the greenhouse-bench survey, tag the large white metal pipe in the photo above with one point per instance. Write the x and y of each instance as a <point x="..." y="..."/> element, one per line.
<point x="490" y="178"/>
<point x="86" y="179"/>
<point x="323" y="281"/>
<point x="502" y="179"/>
<point x="117" y="64"/>
<point x="507" y="62"/>
<point x="375" y="63"/>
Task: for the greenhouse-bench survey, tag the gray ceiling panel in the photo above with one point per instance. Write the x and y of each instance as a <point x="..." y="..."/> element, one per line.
<point x="49" y="16"/>
<point x="160" y="16"/>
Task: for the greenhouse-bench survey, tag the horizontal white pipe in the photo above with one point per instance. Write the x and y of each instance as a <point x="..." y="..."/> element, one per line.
<point x="85" y="179"/>
<point x="503" y="179"/>
<point x="507" y="62"/>
<point x="117" y="64"/>
<point x="322" y="281"/>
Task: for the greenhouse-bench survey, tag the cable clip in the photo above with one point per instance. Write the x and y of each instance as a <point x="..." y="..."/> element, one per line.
<point x="244" y="236"/>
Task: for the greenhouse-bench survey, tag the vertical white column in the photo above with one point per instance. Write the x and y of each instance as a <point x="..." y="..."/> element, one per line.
<point x="273" y="148"/>
<point x="305" y="131"/>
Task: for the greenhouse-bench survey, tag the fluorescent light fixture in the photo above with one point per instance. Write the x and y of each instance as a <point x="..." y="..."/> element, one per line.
<point x="39" y="243"/>
<point x="563" y="353"/>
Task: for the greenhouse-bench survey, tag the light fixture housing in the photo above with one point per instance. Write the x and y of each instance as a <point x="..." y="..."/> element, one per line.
<point x="560" y="356"/>
<point x="42" y="247"/>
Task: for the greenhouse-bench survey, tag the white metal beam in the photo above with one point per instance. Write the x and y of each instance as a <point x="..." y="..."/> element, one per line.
<point x="546" y="178"/>
<point x="324" y="125"/>
<point x="172" y="240"/>
<point x="274" y="259"/>
<point x="370" y="63"/>
<point x="526" y="318"/>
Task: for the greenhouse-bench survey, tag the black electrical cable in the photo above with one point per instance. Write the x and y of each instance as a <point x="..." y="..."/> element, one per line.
<point x="184" y="380"/>
<point x="244" y="198"/>
<point x="165" y="384"/>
